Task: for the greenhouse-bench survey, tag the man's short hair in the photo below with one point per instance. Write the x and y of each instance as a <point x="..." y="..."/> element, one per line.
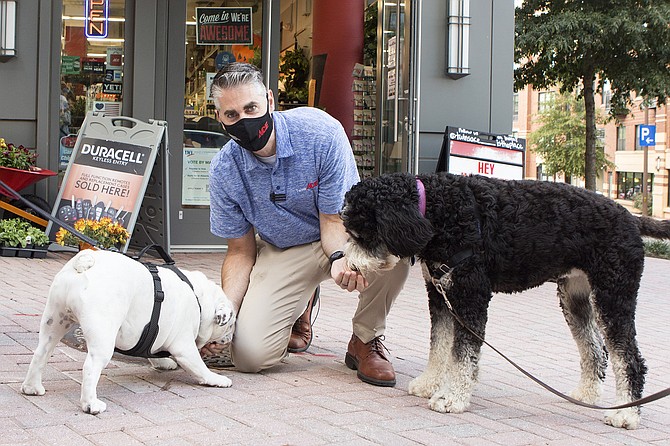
<point x="235" y="74"/>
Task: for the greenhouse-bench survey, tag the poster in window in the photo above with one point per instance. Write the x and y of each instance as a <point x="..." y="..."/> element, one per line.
<point x="223" y="26"/>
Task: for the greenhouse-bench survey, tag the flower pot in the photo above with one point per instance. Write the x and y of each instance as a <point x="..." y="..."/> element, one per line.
<point x="19" y="179"/>
<point x="29" y="252"/>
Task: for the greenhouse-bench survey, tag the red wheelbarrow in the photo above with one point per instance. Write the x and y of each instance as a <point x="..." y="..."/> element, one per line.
<point x="18" y="179"/>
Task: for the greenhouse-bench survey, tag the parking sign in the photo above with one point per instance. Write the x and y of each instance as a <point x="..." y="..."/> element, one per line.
<point x="647" y="136"/>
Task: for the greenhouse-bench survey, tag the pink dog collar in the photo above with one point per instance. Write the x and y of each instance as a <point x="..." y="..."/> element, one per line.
<point x="422" y="197"/>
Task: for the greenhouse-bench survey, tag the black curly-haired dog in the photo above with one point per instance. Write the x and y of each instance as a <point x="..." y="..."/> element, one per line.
<point x="481" y="235"/>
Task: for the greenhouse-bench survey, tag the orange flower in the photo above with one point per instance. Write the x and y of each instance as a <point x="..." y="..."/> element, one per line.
<point x="105" y="231"/>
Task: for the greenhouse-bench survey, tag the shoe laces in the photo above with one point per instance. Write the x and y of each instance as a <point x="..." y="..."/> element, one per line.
<point x="376" y="346"/>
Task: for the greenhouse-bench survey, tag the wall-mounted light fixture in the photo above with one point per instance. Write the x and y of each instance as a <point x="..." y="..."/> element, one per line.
<point x="658" y="164"/>
<point x="458" y="38"/>
<point x="7" y="29"/>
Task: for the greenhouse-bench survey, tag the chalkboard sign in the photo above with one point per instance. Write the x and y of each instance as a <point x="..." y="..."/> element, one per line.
<point x="472" y="152"/>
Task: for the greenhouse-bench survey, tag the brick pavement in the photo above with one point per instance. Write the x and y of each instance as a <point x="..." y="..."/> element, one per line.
<point x="313" y="398"/>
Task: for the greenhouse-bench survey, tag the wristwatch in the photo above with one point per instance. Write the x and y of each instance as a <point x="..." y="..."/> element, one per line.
<point x="335" y="256"/>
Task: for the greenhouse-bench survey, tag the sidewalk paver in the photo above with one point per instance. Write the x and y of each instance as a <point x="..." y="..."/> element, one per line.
<point x="313" y="398"/>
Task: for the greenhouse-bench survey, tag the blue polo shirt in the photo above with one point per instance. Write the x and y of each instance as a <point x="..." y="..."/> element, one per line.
<point x="315" y="167"/>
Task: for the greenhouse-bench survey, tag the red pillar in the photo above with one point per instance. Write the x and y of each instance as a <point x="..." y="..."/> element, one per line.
<point x="337" y="31"/>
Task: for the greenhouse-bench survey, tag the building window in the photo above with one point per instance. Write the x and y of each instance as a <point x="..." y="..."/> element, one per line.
<point x="629" y="184"/>
<point x="93" y="40"/>
<point x="621" y="137"/>
<point x="544" y="99"/>
<point x="458" y="39"/>
<point x="600" y="137"/>
<point x="515" y="107"/>
<point x="606" y="95"/>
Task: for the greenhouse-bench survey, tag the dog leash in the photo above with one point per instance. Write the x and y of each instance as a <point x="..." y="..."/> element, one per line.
<point x="656" y="396"/>
<point x="48" y="216"/>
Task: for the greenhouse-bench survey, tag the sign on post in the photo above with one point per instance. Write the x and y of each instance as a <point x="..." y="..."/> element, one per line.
<point x="108" y="171"/>
<point x="647" y="136"/>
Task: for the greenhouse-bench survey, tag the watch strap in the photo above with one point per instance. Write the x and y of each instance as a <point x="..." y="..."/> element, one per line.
<point x="335" y="256"/>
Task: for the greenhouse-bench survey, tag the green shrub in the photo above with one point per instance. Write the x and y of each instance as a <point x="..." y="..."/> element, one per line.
<point x="657" y="248"/>
<point x="637" y="203"/>
<point x="18" y="232"/>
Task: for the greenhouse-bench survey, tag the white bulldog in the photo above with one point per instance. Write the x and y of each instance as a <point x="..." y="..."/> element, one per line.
<point x="111" y="296"/>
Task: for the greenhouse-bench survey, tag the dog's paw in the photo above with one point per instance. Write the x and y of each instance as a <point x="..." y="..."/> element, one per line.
<point x="216" y="380"/>
<point x="93" y="407"/>
<point x="445" y="402"/>
<point x="587" y="393"/>
<point x="628" y="418"/>
<point x="164" y="363"/>
<point x="32" y="389"/>
<point x="423" y="386"/>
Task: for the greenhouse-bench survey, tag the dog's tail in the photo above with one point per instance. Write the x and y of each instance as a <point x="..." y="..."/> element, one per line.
<point x="654" y="228"/>
<point x="83" y="261"/>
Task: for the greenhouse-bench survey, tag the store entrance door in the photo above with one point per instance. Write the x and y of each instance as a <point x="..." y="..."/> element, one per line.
<point x="397" y="97"/>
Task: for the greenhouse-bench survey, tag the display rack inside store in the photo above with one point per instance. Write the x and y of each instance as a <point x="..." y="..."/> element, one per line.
<point x="363" y="137"/>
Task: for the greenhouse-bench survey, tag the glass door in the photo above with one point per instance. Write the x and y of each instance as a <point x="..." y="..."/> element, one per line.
<point x="217" y="33"/>
<point x="397" y="96"/>
<point x="92" y="65"/>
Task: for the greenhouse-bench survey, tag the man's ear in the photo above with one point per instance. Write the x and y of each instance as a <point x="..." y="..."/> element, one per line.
<point x="271" y="101"/>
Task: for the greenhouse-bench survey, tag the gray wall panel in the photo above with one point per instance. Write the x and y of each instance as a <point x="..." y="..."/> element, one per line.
<point x="18" y="79"/>
<point x="483" y="99"/>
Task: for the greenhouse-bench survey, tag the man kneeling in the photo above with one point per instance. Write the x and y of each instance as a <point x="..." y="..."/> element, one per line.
<point x="276" y="191"/>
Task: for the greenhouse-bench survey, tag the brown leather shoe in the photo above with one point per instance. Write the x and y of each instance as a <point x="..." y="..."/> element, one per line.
<point x="370" y="361"/>
<point x="301" y="333"/>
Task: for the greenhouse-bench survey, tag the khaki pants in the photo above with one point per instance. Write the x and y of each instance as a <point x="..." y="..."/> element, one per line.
<point x="281" y="283"/>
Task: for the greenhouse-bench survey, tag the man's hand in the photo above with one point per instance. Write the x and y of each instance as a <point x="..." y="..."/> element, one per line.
<point x="212" y="349"/>
<point x="346" y="278"/>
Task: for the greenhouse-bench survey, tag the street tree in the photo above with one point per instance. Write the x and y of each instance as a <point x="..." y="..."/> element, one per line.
<point x="580" y="44"/>
<point x="561" y="138"/>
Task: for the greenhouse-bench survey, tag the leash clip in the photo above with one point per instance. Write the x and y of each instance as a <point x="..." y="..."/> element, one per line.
<point x="437" y="283"/>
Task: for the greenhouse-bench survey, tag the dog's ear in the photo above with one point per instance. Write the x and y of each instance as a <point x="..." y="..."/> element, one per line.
<point x="404" y="231"/>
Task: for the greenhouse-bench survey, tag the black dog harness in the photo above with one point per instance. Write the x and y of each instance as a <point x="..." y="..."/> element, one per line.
<point x="460" y="256"/>
<point x="143" y="347"/>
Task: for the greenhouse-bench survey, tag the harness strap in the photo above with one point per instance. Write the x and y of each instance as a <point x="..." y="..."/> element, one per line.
<point x="143" y="347"/>
<point x="461" y="255"/>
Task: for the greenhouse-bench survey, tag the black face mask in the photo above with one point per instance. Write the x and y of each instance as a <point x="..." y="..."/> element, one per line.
<point x="252" y="133"/>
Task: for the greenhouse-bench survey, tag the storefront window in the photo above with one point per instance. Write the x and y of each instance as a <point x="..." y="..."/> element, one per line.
<point x="92" y="48"/>
<point x="629" y="184"/>
<point x="216" y="35"/>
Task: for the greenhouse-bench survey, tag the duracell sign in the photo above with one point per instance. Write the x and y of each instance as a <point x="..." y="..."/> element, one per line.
<point x="223" y="26"/>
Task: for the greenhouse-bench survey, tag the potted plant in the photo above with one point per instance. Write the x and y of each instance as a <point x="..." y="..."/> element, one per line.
<point x="105" y="231"/>
<point x="18" y="238"/>
<point x="16" y="157"/>
<point x="294" y="73"/>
